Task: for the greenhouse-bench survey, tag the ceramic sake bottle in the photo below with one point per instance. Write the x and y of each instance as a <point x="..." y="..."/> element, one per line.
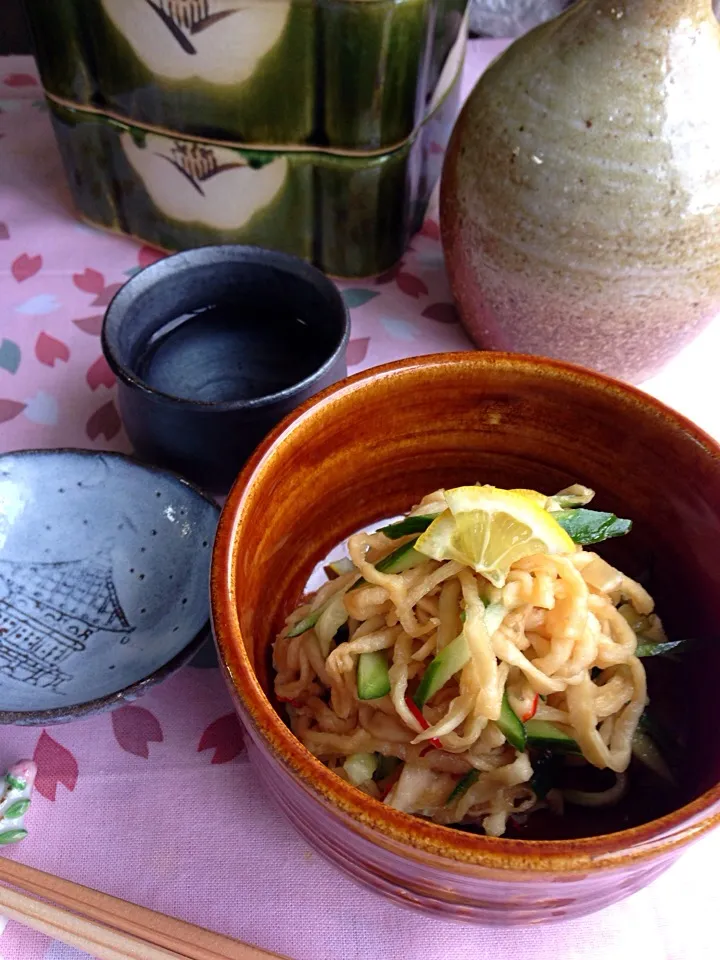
<point x="581" y="192"/>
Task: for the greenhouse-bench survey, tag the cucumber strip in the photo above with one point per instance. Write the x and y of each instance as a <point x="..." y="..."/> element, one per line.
<point x="571" y="497"/>
<point x="445" y="665"/>
<point x="542" y="734"/>
<point x="646" y="751"/>
<point x="386" y="767"/>
<point x="360" y="767"/>
<point x="462" y="786"/>
<point x="494" y="615"/>
<point x="373" y="679"/>
<point x="402" y="528"/>
<point x="650" y="649"/>
<point x="591" y="526"/>
<point x="454" y="656"/>
<point x="670" y="744"/>
<point x="544" y="774"/>
<point x="511" y="726"/>
<point x="312" y="618"/>
<point x="404" y="558"/>
<point x="339" y="567"/>
<point x="309" y="621"/>
<point x="333" y="617"/>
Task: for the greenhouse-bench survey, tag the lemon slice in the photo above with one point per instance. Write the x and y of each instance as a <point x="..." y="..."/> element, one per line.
<point x="539" y="498"/>
<point x="489" y="529"/>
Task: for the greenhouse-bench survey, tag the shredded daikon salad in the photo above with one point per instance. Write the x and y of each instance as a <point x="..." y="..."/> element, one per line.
<point x="461" y="660"/>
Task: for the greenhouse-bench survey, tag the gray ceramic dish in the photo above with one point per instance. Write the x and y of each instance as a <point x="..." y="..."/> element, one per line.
<point x="104" y="567"/>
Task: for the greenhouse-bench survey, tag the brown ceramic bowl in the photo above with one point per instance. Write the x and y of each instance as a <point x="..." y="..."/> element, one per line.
<point x="368" y="449"/>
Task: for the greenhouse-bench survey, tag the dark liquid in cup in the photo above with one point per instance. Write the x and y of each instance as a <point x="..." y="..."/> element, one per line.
<point x="217" y="354"/>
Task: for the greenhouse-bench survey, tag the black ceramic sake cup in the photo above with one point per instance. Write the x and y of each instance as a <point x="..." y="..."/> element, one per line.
<point x="214" y="346"/>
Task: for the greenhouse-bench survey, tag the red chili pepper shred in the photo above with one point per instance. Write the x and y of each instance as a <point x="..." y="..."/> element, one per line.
<point x="416" y="712"/>
<point x="532" y="711"/>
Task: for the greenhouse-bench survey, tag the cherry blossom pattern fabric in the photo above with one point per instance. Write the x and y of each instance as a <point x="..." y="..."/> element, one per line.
<point x="156" y="802"/>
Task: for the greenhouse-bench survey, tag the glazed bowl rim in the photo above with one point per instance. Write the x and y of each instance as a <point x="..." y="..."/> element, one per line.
<point x="241" y="254"/>
<point x="137" y="688"/>
<point x="420" y="838"/>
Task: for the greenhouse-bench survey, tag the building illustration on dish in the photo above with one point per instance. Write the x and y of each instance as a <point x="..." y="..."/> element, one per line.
<point x="51" y="612"/>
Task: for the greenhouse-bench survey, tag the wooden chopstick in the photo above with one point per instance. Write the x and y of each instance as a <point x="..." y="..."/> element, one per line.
<point x="106" y="927"/>
<point x="85" y="935"/>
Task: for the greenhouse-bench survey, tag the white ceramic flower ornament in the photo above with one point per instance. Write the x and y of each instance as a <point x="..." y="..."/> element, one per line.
<point x="15" y="793"/>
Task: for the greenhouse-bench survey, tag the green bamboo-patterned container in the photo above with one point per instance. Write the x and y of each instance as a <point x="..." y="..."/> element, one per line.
<point x="351" y="216"/>
<point x="350" y="74"/>
<point x="240" y="70"/>
<point x="311" y="126"/>
<point x="380" y="66"/>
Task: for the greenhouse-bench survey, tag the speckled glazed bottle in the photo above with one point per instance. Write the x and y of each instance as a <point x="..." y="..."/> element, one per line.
<point x="581" y="192"/>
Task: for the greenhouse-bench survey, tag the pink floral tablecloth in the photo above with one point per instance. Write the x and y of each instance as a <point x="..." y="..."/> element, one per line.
<point x="156" y="802"/>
